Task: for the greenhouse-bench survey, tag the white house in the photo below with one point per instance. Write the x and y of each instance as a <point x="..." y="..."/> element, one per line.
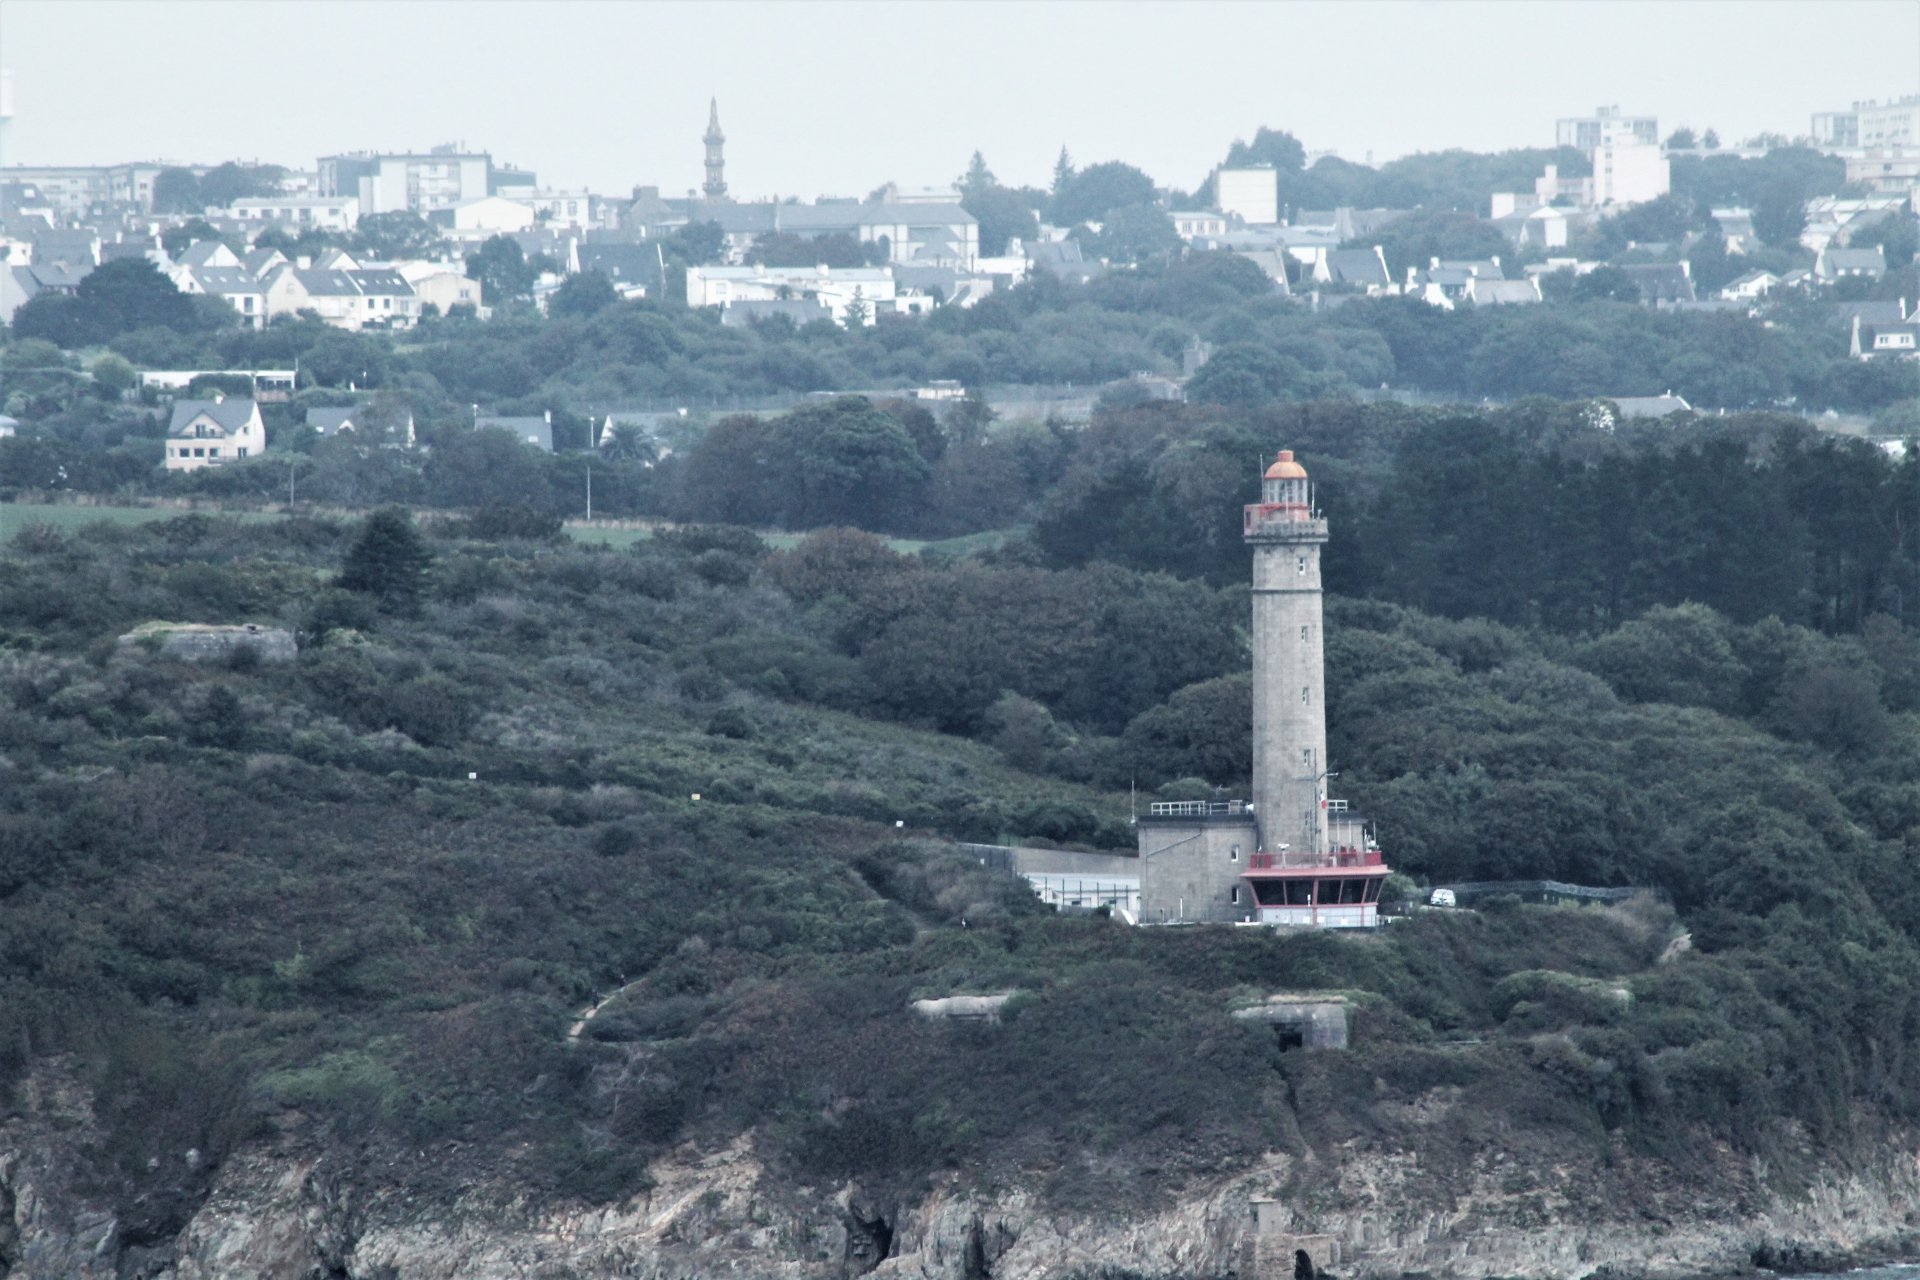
<point x="493" y="214"/>
<point x="871" y="289"/>
<point x="213" y="433"/>
<point x="1750" y="287"/>
<point x="298" y="213"/>
<point x="1198" y="222"/>
<point x="440" y="285"/>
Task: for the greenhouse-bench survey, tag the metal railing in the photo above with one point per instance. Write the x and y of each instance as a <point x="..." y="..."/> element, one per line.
<point x="1195" y="808"/>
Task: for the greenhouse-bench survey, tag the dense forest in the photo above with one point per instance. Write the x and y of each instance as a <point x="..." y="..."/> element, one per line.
<point x="364" y="892"/>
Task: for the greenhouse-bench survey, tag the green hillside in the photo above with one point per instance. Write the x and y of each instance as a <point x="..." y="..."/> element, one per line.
<point x="365" y="894"/>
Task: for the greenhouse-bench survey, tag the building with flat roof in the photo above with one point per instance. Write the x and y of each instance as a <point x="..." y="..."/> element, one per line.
<point x="1606" y="126"/>
<point x="415" y="181"/>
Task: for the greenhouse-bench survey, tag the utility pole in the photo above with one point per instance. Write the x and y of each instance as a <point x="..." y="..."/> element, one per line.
<point x="589" y="486"/>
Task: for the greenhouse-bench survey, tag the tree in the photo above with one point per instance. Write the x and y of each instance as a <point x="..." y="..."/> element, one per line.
<point x="1605" y="283"/>
<point x="1091" y="193"/>
<point x="1415" y="239"/>
<point x="582" y="295"/>
<point x="1710" y="140"/>
<point x="1681" y="139"/>
<point x="845" y="462"/>
<point x="396" y="234"/>
<point x="225" y="183"/>
<point x="626" y="442"/>
<point x="114" y="375"/>
<point x="1270" y="147"/>
<point x="697" y="244"/>
<point x="857" y="311"/>
<point x="502" y="269"/>
<point x="177" y="191"/>
<point x="1780" y="214"/>
<point x="387" y="560"/>
<point x="1062" y="173"/>
<point x="1241" y="373"/>
<point x="1137" y="232"/>
<point x="126" y="294"/>
<point x="977" y="177"/>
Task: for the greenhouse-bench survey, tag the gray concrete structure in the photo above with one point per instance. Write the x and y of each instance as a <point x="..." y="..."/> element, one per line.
<point x="1191" y="860"/>
<point x="1289" y="681"/>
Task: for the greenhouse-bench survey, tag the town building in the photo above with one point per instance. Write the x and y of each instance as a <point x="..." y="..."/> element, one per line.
<point x="417" y="182"/>
<point x="1891" y="170"/>
<point x="1606" y="127"/>
<point x="1251" y="194"/>
<point x="1870" y="124"/>
<point x="865" y="292"/>
<point x="212" y="433"/>
<point x="299" y="213"/>
<point x="1290" y="855"/>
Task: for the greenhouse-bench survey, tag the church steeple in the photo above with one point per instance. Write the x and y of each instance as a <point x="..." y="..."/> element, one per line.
<point x="716" y="184"/>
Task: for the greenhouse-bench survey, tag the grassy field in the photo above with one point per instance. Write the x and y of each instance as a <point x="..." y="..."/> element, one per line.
<point x="968" y="545"/>
<point x="16" y="516"/>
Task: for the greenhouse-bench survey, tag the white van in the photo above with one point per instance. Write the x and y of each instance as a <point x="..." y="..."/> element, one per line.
<point x="1442" y="898"/>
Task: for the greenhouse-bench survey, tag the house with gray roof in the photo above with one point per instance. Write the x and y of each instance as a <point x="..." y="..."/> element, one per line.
<point x="637" y="269"/>
<point x="363" y="423"/>
<point x="739" y="313"/>
<point x="207" y="253"/>
<point x="1843" y="264"/>
<point x="1364" y="269"/>
<point x="1661" y="282"/>
<point x="1661" y="406"/>
<point x="235" y="286"/>
<point x="212" y="433"/>
<point x="932" y="234"/>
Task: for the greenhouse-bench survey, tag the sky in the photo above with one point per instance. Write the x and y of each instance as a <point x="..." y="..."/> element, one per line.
<point x="838" y="98"/>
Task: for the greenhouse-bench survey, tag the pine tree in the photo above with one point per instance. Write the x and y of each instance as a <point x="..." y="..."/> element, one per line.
<point x="388" y="560"/>
<point x="978" y="179"/>
<point x="1062" y="172"/>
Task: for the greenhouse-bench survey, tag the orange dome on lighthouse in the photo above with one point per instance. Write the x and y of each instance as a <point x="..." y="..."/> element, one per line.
<point x="1285" y="468"/>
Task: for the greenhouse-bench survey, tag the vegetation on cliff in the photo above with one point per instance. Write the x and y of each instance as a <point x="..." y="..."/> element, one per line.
<point x="374" y="887"/>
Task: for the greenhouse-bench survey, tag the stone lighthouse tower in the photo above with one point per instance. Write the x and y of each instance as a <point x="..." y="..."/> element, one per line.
<point x="1294" y="856"/>
<point x="716" y="184"/>
<point x="1289" y="677"/>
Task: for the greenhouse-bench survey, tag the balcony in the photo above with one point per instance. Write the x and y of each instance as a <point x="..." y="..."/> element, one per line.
<point x="1283" y="522"/>
<point x="1304" y="860"/>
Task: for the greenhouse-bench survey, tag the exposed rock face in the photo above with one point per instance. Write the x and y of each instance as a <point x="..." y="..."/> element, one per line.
<point x="278" y="1211"/>
<point x="197" y="643"/>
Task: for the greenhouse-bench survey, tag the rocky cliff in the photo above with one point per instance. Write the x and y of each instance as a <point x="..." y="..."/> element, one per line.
<point x="282" y="1210"/>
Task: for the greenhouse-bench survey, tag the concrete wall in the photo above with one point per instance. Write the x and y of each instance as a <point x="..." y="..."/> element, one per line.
<point x="1190" y="869"/>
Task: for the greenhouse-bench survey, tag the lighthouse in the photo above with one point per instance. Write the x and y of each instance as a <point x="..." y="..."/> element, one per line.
<point x="1291" y="854"/>
<point x="1289" y="671"/>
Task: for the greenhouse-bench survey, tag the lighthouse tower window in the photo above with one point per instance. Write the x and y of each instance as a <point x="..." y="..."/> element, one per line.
<point x="1236" y="893"/>
<point x="1306" y="695"/>
<point x="1303" y="564"/>
<point x="1303" y="635"/>
<point x="1233" y="854"/>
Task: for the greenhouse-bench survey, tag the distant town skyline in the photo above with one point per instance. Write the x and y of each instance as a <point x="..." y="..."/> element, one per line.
<point x="838" y="98"/>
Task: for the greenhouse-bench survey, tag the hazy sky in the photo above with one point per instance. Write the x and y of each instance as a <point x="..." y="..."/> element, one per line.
<point x="839" y="97"/>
